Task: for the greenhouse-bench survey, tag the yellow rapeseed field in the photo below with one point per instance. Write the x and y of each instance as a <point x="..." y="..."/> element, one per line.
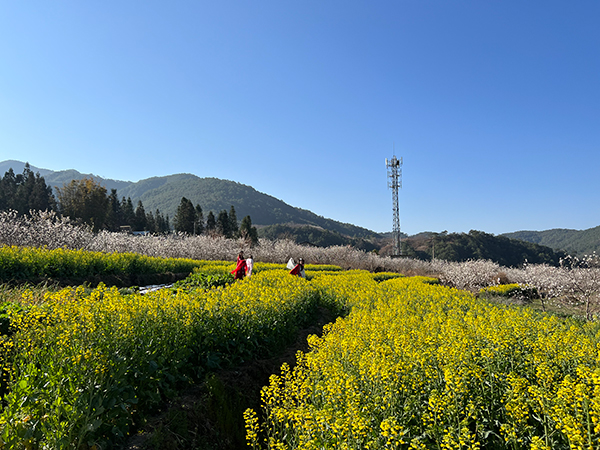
<point x="409" y="364"/>
<point x="422" y="366"/>
<point x="82" y="365"/>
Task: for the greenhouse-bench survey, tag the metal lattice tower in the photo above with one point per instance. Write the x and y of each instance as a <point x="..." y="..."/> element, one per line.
<point x="394" y="167"/>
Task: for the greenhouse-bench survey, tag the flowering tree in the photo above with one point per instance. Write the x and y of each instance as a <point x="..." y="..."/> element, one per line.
<point x="470" y="275"/>
<point x="575" y="283"/>
<point x="583" y="282"/>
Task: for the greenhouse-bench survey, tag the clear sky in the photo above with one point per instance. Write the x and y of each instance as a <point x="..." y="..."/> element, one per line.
<point x="494" y="106"/>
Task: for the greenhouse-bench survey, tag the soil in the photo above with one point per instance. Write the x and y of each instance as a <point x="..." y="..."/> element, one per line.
<point x="210" y="415"/>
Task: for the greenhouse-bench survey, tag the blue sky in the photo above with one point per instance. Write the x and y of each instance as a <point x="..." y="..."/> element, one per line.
<point x="494" y="106"/>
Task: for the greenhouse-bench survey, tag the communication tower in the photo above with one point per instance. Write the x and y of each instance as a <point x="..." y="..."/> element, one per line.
<point x="394" y="171"/>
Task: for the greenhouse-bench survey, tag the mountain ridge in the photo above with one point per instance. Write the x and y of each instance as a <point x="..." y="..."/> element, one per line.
<point x="269" y="213"/>
<point x="575" y="242"/>
<point x="212" y="194"/>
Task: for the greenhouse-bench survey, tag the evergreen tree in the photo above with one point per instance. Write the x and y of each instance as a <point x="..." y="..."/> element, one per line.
<point x="37" y="195"/>
<point x="42" y="198"/>
<point x="128" y="212"/>
<point x="223" y="224"/>
<point x="199" y="229"/>
<point x="114" y="216"/>
<point x="25" y="192"/>
<point x="161" y="223"/>
<point x="233" y="223"/>
<point x="211" y="223"/>
<point x="140" y="217"/>
<point x="185" y="217"/>
<point x="24" y="183"/>
<point x="8" y="190"/>
<point x="151" y="223"/>
<point x="248" y="232"/>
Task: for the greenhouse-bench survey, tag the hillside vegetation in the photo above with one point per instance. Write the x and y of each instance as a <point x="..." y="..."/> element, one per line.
<point x="315" y="236"/>
<point x="579" y="242"/>
<point x="275" y="219"/>
<point x="59" y="178"/>
<point x="212" y="194"/>
<point x="479" y="245"/>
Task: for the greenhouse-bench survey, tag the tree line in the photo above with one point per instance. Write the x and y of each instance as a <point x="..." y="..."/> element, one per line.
<point x="25" y="192"/>
<point x="477" y="245"/>
<point x="87" y="201"/>
<point x="190" y="219"/>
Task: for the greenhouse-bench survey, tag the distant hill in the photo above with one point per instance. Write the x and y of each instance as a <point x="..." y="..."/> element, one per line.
<point x="59" y="178"/>
<point x="574" y="242"/>
<point x="212" y="194"/>
<point x="316" y="236"/>
<point x="275" y="218"/>
<point x="479" y="245"/>
<point x="18" y="166"/>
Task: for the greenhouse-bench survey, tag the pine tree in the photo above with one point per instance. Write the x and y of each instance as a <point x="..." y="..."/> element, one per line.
<point x="41" y="198"/>
<point x="140" y="217"/>
<point x="223" y="224"/>
<point x="25" y="192"/>
<point x="151" y="222"/>
<point x="8" y="190"/>
<point x="248" y="232"/>
<point x="128" y="212"/>
<point x="211" y="223"/>
<point x="185" y="217"/>
<point x="161" y="223"/>
<point x="233" y="223"/>
<point x="25" y="183"/>
<point x="114" y="216"/>
<point x="199" y="229"/>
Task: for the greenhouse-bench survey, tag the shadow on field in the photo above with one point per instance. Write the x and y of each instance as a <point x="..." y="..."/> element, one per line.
<point x="119" y="281"/>
<point x="210" y="415"/>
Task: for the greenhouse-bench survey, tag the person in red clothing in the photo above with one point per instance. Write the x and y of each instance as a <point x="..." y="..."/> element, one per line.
<point x="299" y="269"/>
<point x="240" y="269"/>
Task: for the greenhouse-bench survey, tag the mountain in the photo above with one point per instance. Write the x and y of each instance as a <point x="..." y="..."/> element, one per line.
<point x="212" y="194"/>
<point x="479" y="245"/>
<point x="59" y="178"/>
<point x="317" y="236"/>
<point x="575" y="242"/>
<point x="18" y="166"/>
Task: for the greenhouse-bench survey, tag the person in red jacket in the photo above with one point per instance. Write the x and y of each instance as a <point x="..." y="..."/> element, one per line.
<point x="240" y="269"/>
<point x="299" y="269"/>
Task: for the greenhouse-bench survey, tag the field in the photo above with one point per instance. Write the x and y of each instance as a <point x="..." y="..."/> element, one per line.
<point x="424" y="366"/>
<point x="402" y="362"/>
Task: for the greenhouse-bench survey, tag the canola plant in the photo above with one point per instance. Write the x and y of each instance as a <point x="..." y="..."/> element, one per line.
<point x="409" y="364"/>
<point x="419" y="366"/>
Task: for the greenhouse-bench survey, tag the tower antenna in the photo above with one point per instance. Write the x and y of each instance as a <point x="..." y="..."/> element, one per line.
<point x="394" y="172"/>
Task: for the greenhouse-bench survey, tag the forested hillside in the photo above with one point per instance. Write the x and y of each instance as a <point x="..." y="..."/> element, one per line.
<point x="211" y="194"/>
<point x="59" y="178"/>
<point x="317" y="236"/>
<point x="479" y="245"/>
<point x="159" y="199"/>
<point x="575" y="242"/>
<point x="214" y="194"/>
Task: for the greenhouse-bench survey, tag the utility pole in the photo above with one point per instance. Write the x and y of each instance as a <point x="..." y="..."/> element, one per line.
<point x="394" y="169"/>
